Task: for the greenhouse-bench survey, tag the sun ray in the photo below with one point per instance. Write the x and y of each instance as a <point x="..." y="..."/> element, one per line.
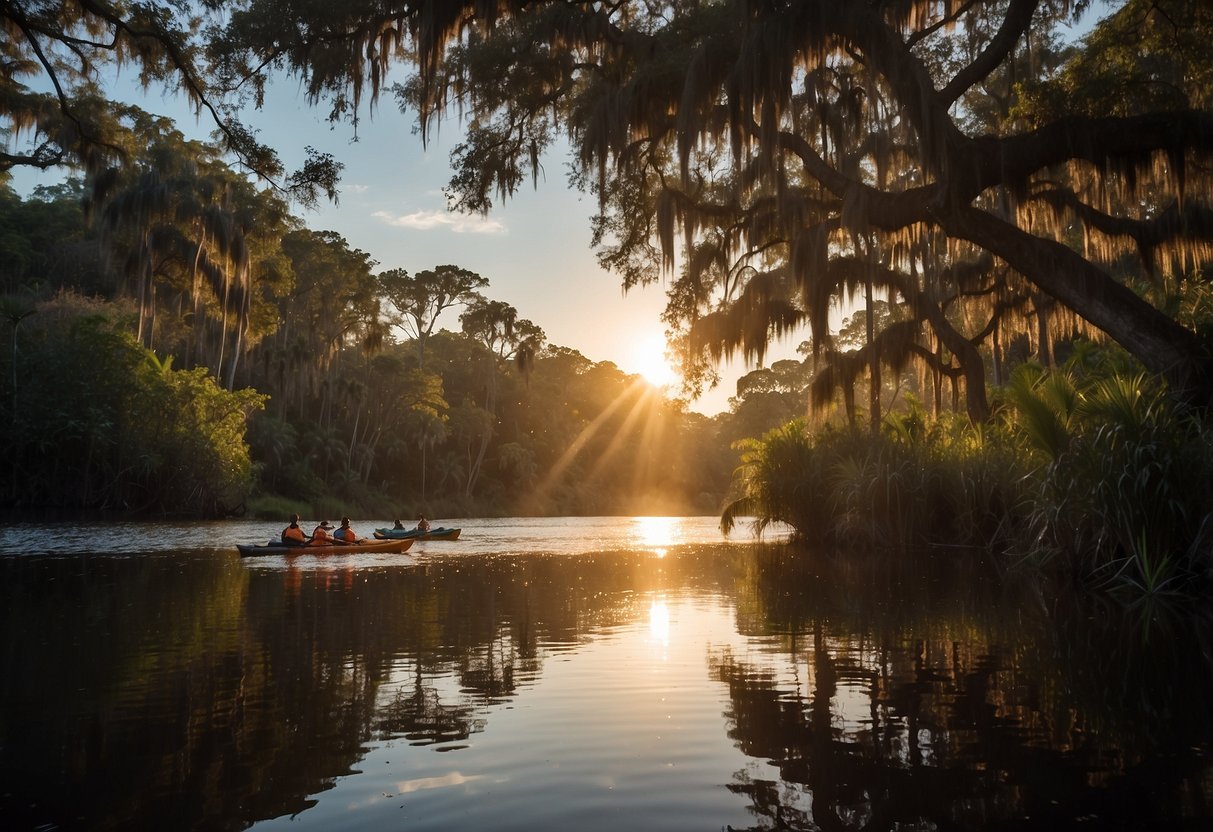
<point x="583" y="438"/>
<point x="644" y="402"/>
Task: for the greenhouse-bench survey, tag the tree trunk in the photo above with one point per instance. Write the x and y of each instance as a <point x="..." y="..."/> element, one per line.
<point x="490" y="405"/>
<point x="873" y="362"/>
<point x="996" y="341"/>
<point x="423" y="444"/>
<point x="971" y="362"/>
<point x="1044" y="339"/>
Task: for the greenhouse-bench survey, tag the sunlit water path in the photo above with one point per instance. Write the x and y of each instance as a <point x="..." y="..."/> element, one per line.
<point x="482" y="536"/>
<point x="588" y="674"/>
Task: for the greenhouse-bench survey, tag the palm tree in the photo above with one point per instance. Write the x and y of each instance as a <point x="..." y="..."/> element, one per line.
<point x="169" y="212"/>
<point x="779" y="481"/>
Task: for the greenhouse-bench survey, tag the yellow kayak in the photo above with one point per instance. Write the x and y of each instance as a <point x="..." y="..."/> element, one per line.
<point x="277" y="547"/>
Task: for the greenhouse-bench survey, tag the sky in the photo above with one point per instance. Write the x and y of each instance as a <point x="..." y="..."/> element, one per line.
<point x="534" y="248"/>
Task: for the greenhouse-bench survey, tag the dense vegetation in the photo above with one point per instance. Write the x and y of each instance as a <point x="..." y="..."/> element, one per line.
<point x="1091" y="471"/>
<point x="1022" y="224"/>
<point x="135" y="398"/>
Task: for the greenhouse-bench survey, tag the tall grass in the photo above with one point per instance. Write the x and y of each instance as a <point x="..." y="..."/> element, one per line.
<point x="781" y="479"/>
<point x="921" y="481"/>
<point x="1127" y="498"/>
<point x="1090" y="472"/>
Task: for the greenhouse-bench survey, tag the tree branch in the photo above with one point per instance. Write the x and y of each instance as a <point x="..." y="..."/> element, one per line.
<point x="1017" y="21"/>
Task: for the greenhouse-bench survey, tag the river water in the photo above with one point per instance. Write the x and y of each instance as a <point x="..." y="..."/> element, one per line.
<point x="580" y="674"/>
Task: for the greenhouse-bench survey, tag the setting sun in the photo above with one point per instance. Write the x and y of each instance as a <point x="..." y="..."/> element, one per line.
<point x="648" y="359"/>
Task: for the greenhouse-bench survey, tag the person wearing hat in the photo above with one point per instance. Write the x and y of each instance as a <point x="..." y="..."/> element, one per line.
<point x="345" y="534"/>
<point x="293" y="534"/>
<point x="320" y="534"/>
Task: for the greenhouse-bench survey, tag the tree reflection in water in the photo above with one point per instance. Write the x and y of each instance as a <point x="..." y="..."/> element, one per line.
<point x="195" y="692"/>
<point x="1089" y="713"/>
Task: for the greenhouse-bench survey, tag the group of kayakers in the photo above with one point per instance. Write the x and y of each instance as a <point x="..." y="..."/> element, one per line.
<point x="322" y="535"/>
<point x="326" y="534"/>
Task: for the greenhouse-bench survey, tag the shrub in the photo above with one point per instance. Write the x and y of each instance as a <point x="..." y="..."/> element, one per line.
<point x="1092" y="471"/>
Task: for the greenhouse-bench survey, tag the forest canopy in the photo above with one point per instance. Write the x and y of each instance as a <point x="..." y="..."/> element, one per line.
<point x="955" y="156"/>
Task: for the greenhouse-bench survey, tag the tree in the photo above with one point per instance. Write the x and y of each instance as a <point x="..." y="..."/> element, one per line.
<point x="161" y="440"/>
<point x="496" y="326"/>
<point x="46" y="243"/>
<point x="68" y="47"/>
<point x="425" y="429"/>
<point x="798" y="140"/>
<point x="177" y="220"/>
<point x="334" y="301"/>
<point x="14" y="310"/>
<point x="767" y="398"/>
<point x="421" y="298"/>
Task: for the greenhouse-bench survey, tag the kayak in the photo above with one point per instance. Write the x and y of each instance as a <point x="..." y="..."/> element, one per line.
<point x="277" y="547"/>
<point x="436" y="533"/>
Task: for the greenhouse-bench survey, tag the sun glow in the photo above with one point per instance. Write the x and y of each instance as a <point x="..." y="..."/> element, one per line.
<point x="656" y="531"/>
<point x="648" y="359"/>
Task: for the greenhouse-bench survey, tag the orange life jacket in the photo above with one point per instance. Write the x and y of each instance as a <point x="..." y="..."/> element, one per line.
<point x="320" y="536"/>
<point x="347" y="534"/>
<point x="294" y="534"/>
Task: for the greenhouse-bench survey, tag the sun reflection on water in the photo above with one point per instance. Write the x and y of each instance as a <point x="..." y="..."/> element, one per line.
<point x="659" y="622"/>
<point x="658" y="532"/>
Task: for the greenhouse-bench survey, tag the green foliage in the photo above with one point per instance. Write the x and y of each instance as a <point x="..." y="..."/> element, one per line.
<point x="782" y="479"/>
<point x="270" y="507"/>
<point x="70" y="49"/>
<point x="1149" y="56"/>
<point x="97" y="421"/>
<point x="191" y="439"/>
<point x="1128" y="498"/>
<point x="921" y="481"/>
<point x="46" y="244"/>
<point x="1045" y="406"/>
<point x="1091" y="472"/>
<point x="469" y="434"/>
<point x="419" y="299"/>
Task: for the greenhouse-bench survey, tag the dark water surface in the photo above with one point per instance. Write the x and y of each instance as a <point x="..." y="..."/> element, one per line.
<point x="579" y="674"/>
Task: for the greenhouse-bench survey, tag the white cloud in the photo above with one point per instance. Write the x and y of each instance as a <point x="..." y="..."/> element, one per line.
<point x="404" y="787"/>
<point x="424" y="783"/>
<point x="357" y="189"/>
<point x="429" y="220"/>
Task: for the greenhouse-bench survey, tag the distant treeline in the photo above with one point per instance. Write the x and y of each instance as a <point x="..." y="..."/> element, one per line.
<point x="289" y="378"/>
